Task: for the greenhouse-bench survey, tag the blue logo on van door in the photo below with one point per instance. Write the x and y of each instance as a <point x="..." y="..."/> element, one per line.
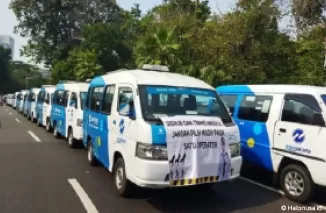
<point x="122" y="126"/>
<point x="298" y="135"/>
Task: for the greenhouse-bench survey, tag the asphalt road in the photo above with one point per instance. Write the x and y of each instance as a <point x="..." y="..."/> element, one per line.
<point x="40" y="174"/>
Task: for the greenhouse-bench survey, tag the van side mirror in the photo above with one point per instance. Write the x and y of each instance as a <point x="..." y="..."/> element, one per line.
<point x="47" y="101"/>
<point x="318" y="120"/>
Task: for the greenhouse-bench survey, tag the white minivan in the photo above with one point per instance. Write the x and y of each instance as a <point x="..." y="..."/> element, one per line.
<point x="283" y="130"/>
<point x="67" y="110"/>
<point x="127" y="116"/>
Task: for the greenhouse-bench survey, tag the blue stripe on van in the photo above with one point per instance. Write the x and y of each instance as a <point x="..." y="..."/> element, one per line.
<point x="158" y="134"/>
<point x="98" y="81"/>
<point x="255" y="144"/>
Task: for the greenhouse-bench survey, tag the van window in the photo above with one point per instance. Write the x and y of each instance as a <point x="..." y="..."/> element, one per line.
<point x="87" y="101"/>
<point x="230" y="101"/>
<point x="74" y="98"/>
<point x="40" y="97"/>
<point x="108" y="99"/>
<point x="65" y="98"/>
<point x="125" y="95"/>
<point x="255" y="108"/>
<point x="46" y="99"/>
<point x="95" y="99"/>
<point x="30" y="96"/>
<point x="58" y="97"/>
<point x="300" y="109"/>
<point x="83" y="96"/>
<point x="161" y="101"/>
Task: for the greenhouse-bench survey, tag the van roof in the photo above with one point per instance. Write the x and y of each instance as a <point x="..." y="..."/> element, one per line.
<point x="145" y="77"/>
<point x="271" y="88"/>
<point x="81" y="86"/>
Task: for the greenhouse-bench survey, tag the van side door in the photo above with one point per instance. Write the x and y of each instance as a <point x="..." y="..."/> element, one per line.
<point x="123" y="125"/>
<point x="72" y="105"/>
<point x="252" y="118"/>
<point x="105" y="132"/>
<point x="297" y="132"/>
<point x="95" y="120"/>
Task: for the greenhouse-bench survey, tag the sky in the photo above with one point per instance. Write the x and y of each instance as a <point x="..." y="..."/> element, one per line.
<point x="8" y="18"/>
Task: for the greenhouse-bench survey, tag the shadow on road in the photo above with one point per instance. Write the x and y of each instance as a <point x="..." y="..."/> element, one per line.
<point x="224" y="197"/>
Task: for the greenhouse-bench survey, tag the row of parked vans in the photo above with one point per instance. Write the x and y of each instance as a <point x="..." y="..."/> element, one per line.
<point x="117" y="118"/>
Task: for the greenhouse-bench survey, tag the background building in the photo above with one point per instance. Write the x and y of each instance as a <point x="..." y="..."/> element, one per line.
<point x="8" y="42"/>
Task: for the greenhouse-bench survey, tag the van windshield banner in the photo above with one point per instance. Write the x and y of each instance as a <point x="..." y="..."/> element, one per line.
<point x="197" y="150"/>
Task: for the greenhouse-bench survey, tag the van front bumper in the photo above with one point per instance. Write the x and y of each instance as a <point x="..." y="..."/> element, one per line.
<point x="151" y="174"/>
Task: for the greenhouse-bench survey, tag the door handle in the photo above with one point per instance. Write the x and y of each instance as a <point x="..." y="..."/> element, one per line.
<point x="282" y="130"/>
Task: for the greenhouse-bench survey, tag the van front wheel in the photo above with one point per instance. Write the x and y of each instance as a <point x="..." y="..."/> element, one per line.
<point x="297" y="183"/>
<point x="55" y="131"/>
<point x="90" y="154"/>
<point x="123" y="186"/>
<point x="71" y="139"/>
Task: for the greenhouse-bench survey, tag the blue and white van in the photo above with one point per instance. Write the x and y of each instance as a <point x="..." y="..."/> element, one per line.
<point x="26" y="105"/>
<point x="21" y="101"/>
<point x="31" y="104"/>
<point x="282" y="130"/>
<point x="67" y="111"/>
<point x="123" y="130"/>
<point x="44" y="106"/>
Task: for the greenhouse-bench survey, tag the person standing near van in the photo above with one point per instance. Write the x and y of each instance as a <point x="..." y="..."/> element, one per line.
<point x="224" y="170"/>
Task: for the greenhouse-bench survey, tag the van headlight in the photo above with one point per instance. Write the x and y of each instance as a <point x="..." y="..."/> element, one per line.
<point x="79" y="122"/>
<point x="235" y="149"/>
<point x="151" y="152"/>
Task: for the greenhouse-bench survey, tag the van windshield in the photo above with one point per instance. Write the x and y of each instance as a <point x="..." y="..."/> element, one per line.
<point x="162" y="101"/>
<point x="82" y="99"/>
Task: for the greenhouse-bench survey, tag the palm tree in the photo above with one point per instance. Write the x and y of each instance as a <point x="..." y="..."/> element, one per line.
<point x="158" y="48"/>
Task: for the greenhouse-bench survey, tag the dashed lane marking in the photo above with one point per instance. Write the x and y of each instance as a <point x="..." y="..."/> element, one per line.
<point x="37" y="139"/>
<point x="17" y="120"/>
<point x="84" y="198"/>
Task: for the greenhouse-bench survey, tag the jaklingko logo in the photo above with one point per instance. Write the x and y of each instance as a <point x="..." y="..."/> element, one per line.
<point x="121" y="126"/>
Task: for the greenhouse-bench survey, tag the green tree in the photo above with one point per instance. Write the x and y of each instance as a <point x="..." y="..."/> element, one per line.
<point x="158" y="48"/>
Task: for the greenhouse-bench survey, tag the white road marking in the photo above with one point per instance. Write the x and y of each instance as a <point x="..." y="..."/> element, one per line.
<point x="37" y="139"/>
<point x="86" y="201"/>
<point x="17" y="120"/>
<point x="10" y="113"/>
<point x="318" y="206"/>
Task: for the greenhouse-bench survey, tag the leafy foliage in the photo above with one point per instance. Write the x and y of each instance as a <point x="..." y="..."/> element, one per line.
<point x="79" y="41"/>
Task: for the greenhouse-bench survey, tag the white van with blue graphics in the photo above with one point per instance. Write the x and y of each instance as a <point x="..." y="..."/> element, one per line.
<point x="20" y="104"/>
<point x="31" y="104"/>
<point x="67" y="111"/>
<point x="44" y="106"/>
<point x="282" y="130"/>
<point x="123" y="130"/>
<point x="26" y="105"/>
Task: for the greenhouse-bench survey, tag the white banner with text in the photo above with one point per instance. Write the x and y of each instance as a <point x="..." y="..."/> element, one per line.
<point x="197" y="149"/>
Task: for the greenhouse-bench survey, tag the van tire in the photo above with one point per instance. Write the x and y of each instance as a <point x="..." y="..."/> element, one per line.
<point x="304" y="175"/>
<point x="55" y="131"/>
<point x="38" y="122"/>
<point x="72" y="143"/>
<point x="122" y="184"/>
<point x="48" y="125"/>
<point x="90" y="154"/>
